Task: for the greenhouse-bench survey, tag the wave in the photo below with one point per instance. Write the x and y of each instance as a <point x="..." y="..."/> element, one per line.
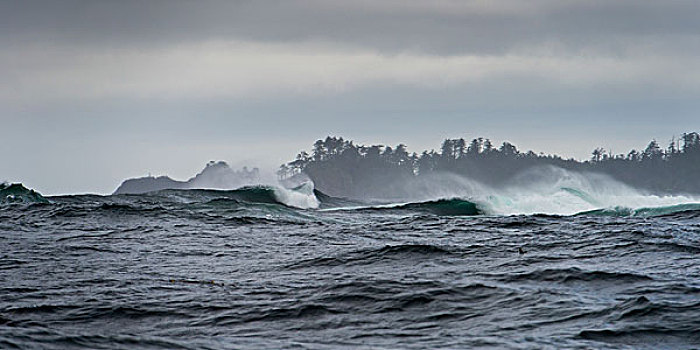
<point x="444" y="207"/>
<point x="566" y="201"/>
<point x="17" y="193"/>
<point x="326" y="201"/>
<point x="500" y="205"/>
<point x="300" y="198"/>
<point x="439" y="207"/>
<point x="575" y="274"/>
<point x="242" y="206"/>
<point x="634" y="321"/>
<point x="571" y="195"/>
<point x="619" y="211"/>
<point x="369" y="256"/>
<point x="539" y="190"/>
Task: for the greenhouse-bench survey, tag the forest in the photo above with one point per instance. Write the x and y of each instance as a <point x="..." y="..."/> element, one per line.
<point x="340" y="167"/>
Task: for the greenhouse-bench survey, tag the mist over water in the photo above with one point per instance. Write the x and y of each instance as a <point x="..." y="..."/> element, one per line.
<point x="551" y="190"/>
<point x="541" y="190"/>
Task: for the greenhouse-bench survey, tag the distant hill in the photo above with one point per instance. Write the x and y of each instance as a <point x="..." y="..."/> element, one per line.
<point x="216" y="175"/>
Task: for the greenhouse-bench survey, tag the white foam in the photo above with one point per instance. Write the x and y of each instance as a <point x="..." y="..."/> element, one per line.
<point x="302" y="197"/>
<point x="542" y="190"/>
<point x="552" y="190"/>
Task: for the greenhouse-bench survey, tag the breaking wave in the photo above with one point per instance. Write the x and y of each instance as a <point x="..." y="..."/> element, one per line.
<point x="543" y="190"/>
<point x="564" y="194"/>
<point x="17" y="193"/>
<point x="566" y="200"/>
<point x="686" y="209"/>
<point x="440" y="207"/>
<point x="300" y="198"/>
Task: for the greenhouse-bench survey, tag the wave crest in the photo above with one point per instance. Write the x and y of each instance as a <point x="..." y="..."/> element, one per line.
<point x="17" y="193"/>
<point x="619" y="211"/>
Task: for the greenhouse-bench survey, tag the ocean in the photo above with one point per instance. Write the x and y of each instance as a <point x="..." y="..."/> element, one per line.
<point x="266" y="268"/>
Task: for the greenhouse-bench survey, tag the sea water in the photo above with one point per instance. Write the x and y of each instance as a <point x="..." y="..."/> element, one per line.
<point x="263" y="268"/>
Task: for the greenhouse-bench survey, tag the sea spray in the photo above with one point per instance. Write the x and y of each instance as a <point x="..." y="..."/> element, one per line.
<point x="618" y="211"/>
<point x="301" y="197"/>
<point x="440" y="185"/>
<point x="539" y="190"/>
<point x="552" y="190"/>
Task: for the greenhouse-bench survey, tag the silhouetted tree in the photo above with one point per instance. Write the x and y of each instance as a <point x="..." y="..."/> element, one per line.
<point x="474" y="148"/>
<point x="597" y="154"/>
<point x="508" y="150"/>
<point x="652" y="152"/>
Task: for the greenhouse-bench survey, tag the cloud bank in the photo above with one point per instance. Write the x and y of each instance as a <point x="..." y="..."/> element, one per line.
<point x="559" y="76"/>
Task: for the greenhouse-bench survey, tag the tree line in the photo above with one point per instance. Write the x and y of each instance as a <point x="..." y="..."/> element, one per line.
<point x="341" y="167"/>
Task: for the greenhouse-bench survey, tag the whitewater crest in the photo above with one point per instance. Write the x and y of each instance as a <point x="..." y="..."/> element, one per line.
<point x="546" y="190"/>
<point x="564" y="201"/>
<point x="17" y="193"/>
<point x="246" y="195"/>
<point x="645" y="211"/>
<point x="566" y="197"/>
<point x="302" y="197"/>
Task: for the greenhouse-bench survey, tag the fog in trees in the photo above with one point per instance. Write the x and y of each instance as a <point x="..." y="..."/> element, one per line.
<point x="342" y="168"/>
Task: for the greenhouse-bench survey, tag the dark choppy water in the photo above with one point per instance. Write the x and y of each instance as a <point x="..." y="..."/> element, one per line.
<point x="172" y="272"/>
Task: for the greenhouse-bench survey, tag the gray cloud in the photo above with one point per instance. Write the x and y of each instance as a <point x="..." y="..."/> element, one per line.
<point x="441" y="27"/>
<point x="96" y="91"/>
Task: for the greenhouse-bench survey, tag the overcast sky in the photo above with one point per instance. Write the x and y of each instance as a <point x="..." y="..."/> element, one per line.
<point x="93" y="92"/>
